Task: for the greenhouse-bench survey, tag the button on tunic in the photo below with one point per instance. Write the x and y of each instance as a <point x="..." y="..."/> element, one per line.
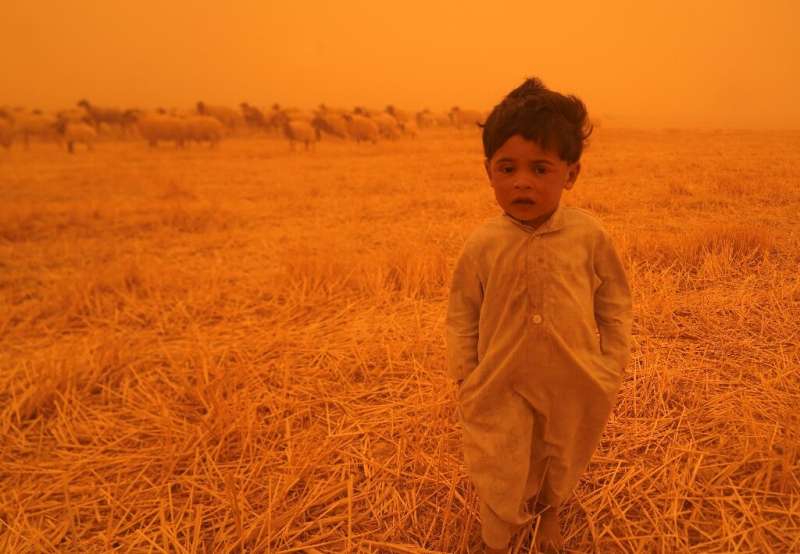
<point x="538" y="329"/>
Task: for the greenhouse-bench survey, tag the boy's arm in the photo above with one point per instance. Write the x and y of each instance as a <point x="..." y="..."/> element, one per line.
<point x="463" y="314"/>
<point x="612" y="305"/>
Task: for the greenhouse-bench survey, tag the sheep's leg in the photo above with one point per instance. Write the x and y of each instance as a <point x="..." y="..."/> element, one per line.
<point x="70" y="147"/>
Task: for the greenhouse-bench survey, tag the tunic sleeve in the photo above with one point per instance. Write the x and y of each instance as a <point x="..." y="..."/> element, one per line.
<point x="612" y="305"/>
<point x="463" y="314"/>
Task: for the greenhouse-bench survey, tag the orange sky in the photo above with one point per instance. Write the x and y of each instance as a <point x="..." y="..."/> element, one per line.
<point x="721" y="63"/>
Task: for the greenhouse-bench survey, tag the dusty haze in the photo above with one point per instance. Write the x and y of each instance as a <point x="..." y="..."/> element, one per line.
<point x="692" y="64"/>
<point x="218" y="334"/>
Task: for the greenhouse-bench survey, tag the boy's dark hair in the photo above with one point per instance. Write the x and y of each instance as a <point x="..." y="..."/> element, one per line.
<point x="546" y="117"/>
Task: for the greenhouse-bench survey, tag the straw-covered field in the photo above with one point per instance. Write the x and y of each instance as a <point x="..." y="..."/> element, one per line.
<point x="242" y="349"/>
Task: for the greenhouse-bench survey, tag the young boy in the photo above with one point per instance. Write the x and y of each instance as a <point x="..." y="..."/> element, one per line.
<point x="539" y="321"/>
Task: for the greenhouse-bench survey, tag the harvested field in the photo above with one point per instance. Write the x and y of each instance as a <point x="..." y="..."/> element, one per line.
<point x="241" y="349"/>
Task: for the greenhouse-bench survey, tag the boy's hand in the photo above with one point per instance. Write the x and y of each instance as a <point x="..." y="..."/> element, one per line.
<point x="462" y="321"/>
<point x="612" y="305"/>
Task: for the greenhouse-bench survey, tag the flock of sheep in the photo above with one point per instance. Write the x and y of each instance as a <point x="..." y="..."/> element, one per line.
<point x="208" y="124"/>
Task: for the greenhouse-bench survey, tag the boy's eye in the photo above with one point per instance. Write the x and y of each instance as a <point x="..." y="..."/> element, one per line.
<point x="506" y="169"/>
<point x="540" y="170"/>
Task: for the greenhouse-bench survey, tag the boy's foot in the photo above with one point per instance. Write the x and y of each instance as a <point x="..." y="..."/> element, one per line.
<point x="549" y="539"/>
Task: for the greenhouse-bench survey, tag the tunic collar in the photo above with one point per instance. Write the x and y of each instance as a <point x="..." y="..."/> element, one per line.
<point x="552" y="223"/>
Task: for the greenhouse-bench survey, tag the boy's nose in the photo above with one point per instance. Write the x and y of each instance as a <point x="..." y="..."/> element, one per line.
<point x="523" y="180"/>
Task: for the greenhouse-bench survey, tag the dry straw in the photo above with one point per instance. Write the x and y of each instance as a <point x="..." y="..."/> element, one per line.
<point x="241" y="350"/>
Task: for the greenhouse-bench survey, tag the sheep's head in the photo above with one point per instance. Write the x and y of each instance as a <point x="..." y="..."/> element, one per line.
<point x="131" y="116"/>
<point x="319" y="124"/>
<point x="279" y="118"/>
<point x="84" y="104"/>
<point x="253" y="115"/>
<point x="60" y="124"/>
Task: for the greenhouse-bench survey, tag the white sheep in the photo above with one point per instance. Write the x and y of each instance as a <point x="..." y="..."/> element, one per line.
<point x="253" y="116"/>
<point x="425" y="119"/>
<point x="324" y="108"/>
<point x="230" y="118"/>
<point x="274" y="118"/>
<point x="410" y="128"/>
<point x="465" y="118"/>
<point x="387" y="125"/>
<point x="400" y="115"/>
<point x="28" y="125"/>
<point x="74" y="115"/>
<point x="366" y="112"/>
<point x="75" y="133"/>
<point x="331" y="123"/>
<point x="296" y="125"/>
<point x="442" y="119"/>
<point x="361" y="128"/>
<point x="296" y="114"/>
<point x="300" y="131"/>
<point x="157" y="127"/>
<point x="98" y="115"/>
<point x="203" y="128"/>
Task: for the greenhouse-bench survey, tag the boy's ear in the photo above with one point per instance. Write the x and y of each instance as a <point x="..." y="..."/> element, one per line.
<point x="572" y="175"/>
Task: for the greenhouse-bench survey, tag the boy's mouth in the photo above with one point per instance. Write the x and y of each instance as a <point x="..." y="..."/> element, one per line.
<point x="524" y="201"/>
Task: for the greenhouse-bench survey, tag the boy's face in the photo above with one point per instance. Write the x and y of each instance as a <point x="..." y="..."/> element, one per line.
<point x="528" y="180"/>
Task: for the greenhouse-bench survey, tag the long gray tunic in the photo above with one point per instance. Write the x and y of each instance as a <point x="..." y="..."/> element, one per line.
<point x="538" y="328"/>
